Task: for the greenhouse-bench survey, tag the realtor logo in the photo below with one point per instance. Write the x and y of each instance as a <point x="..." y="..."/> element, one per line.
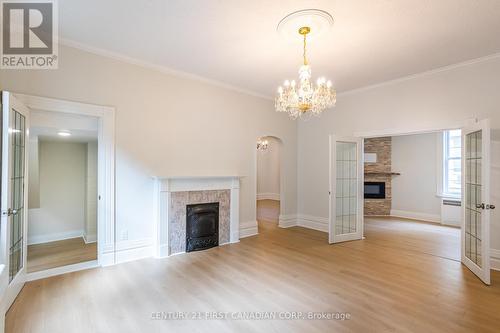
<point x="29" y="34"/>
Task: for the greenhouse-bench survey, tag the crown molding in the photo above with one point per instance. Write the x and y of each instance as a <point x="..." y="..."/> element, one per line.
<point x="158" y="68"/>
<point x="186" y="75"/>
<point x="431" y="72"/>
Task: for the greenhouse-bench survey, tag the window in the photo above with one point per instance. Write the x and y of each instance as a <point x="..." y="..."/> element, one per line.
<point x="452" y="178"/>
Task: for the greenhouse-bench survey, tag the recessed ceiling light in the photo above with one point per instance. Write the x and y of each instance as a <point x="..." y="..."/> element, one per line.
<point x="64" y="133"/>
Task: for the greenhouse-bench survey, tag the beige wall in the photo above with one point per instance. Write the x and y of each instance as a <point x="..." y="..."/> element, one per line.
<point x="415" y="190"/>
<point x="268" y="170"/>
<point x="62" y="193"/>
<point x="166" y="126"/>
<point x="90" y="231"/>
<point x="441" y="99"/>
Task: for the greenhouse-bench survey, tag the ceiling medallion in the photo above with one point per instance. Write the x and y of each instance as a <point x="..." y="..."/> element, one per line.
<point x="305" y="99"/>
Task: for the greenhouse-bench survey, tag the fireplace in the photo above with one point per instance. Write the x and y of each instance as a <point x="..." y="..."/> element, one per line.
<point x="374" y="190"/>
<point x="202" y="226"/>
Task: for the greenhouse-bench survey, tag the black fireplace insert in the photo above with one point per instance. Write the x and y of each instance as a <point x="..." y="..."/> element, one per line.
<point x="202" y="226"/>
<point x="374" y="190"/>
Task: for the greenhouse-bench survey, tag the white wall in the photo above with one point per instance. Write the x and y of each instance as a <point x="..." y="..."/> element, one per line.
<point x="268" y="170"/>
<point x="167" y="125"/>
<point x="33" y="173"/>
<point x="90" y="232"/>
<point x="414" y="192"/>
<point x="62" y="193"/>
<point x="439" y="99"/>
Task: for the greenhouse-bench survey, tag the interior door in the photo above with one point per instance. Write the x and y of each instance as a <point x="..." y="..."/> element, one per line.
<point x="476" y="198"/>
<point x="13" y="229"/>
<point x="346" y="189"/>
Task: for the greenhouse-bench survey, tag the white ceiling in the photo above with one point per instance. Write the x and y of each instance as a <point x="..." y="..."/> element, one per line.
<point x="235" y="42"/>
<point x="46" y="126"/>
<point x="50" y="134"/>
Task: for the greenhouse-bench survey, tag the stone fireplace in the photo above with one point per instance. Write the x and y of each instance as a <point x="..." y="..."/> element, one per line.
<point x="379" y="171"/>
<point x="196" y="213"/>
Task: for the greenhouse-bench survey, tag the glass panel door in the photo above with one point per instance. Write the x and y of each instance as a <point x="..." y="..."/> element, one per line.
<point x="17" y="138"/>
<point x="346" y="208"/>
<point x="476" y="208"/>
<point x="15" y="119"/>
<point x="346" y="174"/>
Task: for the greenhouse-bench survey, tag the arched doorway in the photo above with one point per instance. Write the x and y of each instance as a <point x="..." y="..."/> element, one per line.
<point x="269" y="193"/>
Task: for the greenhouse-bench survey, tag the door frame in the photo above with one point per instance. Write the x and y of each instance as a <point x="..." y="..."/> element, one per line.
<point x="282" y="217"/>
<point x="396" y="132"/>
<point x="106" y="240"/>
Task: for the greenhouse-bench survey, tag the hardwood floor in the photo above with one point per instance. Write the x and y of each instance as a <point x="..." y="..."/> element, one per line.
<point x="400" y="279"/>
<point x="60" y="253"/>
<point x="268" y="210"/>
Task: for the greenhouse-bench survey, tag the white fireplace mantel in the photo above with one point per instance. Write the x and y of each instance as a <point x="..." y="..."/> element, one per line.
<point x="166" y="185"/>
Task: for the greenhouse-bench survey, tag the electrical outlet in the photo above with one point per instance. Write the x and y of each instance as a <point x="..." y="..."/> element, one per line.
<point x="124" y="235"/>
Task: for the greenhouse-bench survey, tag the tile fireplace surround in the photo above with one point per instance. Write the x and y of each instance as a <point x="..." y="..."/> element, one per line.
<point x="173" y="194"/>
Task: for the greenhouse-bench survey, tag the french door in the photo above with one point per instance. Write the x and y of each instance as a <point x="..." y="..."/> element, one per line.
<point x="13" y="201"/>
<point x="476" y="205"/>
<point x="346" y="189"/>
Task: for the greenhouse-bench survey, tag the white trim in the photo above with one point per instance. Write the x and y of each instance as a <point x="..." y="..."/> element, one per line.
<point x="412" y="131"/>
<point x="434" y="218"/>
<point x="89" y="238"/>
<point x="495" y="259"/>
<point x="61" y="270"/>
<point x="283" y="180"/>
<point x="421" y="74"/>
<point x="106" y="163"/>
<point x="158" y="68"/>
<point x="268" y="196"/>
<point x="164" y="186"/>
<point x="248" y="229"/>
<point x="129" y="250"/>
<point x="32" y="240"/>
<point x="287" y="221"/>
<point x="313" y="222"/>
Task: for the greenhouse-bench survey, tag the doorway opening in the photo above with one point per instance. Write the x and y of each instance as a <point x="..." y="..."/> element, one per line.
<point x="413" y="188"/>
<point x="473" y="189"/>
<point x="62" y="191"/>
<point x="269" y="181"/>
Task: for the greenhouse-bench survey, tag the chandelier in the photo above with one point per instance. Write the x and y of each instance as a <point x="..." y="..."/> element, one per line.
<point x="262" y="144"/>
<point x="303" y="99"/>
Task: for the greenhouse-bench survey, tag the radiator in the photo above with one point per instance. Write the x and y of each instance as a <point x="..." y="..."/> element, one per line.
<point x="451" y="212"/>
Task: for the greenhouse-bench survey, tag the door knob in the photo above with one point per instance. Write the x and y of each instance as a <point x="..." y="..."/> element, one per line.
<point x="10" y="212"/>
<point x="480" y="206"/>
<point x="490" y="207"/>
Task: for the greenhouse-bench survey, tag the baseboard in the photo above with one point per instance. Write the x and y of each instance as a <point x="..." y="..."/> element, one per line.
<point x="128" y="250"/>
<point x="287" y="221"/>
<point x="54" y="237"/>
<point x="495" y="259"/>
<point x="89" y="238"/>
<point x="268" y="196"/>
<point x="434" y="218"/>
<point x="248" y="229"/>
<point x="61" y="270"/>
<point x="313" y="222"/>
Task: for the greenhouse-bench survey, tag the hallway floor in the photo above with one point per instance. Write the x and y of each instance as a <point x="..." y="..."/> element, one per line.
<point x="60" y="253"/>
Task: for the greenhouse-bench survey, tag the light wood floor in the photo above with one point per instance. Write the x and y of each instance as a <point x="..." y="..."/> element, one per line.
<point x="400" y="279"/>
<point x="60" y="253"/>
<point x="268" y="210"/>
